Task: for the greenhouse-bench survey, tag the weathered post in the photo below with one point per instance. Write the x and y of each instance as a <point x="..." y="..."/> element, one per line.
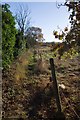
<point x="59" y="115"/>
<point x="55" y="85"/>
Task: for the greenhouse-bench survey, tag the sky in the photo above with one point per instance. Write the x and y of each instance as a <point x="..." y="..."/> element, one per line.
<point x="33" y="0"/>
<point x="46" y="16"/>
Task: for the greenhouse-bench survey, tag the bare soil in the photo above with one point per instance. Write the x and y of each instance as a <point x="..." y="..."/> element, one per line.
<point x="28" y="92"/>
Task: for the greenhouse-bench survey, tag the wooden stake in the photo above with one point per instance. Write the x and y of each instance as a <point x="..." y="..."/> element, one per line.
<point x="55" y="84"/>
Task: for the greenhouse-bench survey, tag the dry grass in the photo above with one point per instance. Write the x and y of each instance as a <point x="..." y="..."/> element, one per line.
<point x="21" y="68"/>
<point x="41" y="66"/>
<point x="33" y="95"/>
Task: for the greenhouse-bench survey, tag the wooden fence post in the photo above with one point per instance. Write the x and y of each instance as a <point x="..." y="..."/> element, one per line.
<point x="55" y="85"/>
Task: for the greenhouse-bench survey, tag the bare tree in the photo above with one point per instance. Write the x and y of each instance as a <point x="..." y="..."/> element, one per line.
<point x="23" y="21"/>
<point x="22" y="18"/>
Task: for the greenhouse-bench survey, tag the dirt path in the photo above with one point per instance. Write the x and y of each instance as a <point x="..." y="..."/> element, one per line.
<point x="30" y="96"/>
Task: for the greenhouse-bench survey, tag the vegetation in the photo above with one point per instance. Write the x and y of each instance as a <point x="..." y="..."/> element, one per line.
<point x="8" y="36"/>
<point x="70" y="38"/>
<point x="23" y="22"/>
<point x="0" y="36"/>
<point x="14" y="40"/>
<point x="28" y="88"/>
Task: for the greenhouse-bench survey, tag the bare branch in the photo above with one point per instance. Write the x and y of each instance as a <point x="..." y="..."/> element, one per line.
<point x="22" y="18"/>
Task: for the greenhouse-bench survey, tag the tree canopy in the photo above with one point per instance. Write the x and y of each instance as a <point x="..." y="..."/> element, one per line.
<point x="70" y="38"/>
<point x="8" y="35"/>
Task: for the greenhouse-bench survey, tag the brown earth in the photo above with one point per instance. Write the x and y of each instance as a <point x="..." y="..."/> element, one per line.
<point x="28" y="91"/>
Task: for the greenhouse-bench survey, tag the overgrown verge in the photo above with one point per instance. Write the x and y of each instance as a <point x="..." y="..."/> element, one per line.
<point x="29" y="93"/>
